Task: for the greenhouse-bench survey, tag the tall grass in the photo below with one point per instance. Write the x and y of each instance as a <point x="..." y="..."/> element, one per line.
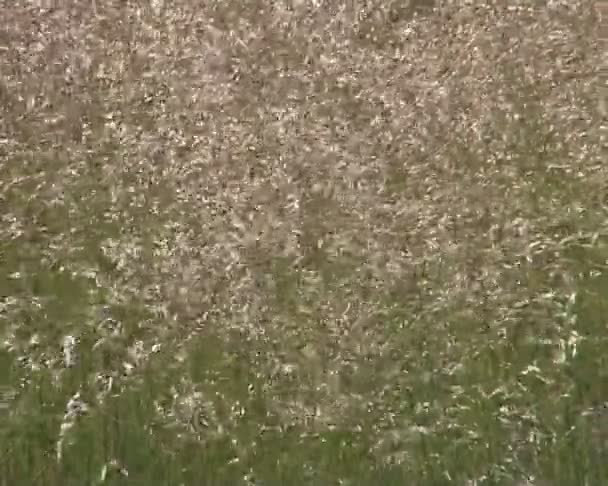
<point x="302" y="243"/>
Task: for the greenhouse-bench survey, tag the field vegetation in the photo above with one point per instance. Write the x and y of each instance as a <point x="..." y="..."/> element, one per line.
<point x="302" y="242"/>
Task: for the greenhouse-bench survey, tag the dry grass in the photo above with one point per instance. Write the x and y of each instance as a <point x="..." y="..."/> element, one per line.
<point x="302" y="242"/>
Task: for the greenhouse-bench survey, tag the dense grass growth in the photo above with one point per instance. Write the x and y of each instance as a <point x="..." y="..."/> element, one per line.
<point x="302" y="243"/>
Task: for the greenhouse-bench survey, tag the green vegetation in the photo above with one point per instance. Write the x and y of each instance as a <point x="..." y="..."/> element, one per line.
<point x="307" y="243"/>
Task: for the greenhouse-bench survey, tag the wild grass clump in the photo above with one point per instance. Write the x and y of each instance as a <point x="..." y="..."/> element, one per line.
<point x="306" y="242"/>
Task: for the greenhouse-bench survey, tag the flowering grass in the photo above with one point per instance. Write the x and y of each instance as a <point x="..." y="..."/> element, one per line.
<point x="307" y="243"/>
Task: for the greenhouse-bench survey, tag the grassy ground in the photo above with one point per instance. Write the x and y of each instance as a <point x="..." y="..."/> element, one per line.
<point x="307" y="243"/>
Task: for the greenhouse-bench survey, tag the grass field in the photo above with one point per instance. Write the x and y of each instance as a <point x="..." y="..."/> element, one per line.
<point x="325" y="243"/>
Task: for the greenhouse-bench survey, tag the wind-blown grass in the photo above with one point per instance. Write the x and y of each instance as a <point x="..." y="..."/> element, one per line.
<point x="306" y="243"/>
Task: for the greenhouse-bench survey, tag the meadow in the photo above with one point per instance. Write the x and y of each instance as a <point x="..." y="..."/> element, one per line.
<point x="302" y="242"/>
